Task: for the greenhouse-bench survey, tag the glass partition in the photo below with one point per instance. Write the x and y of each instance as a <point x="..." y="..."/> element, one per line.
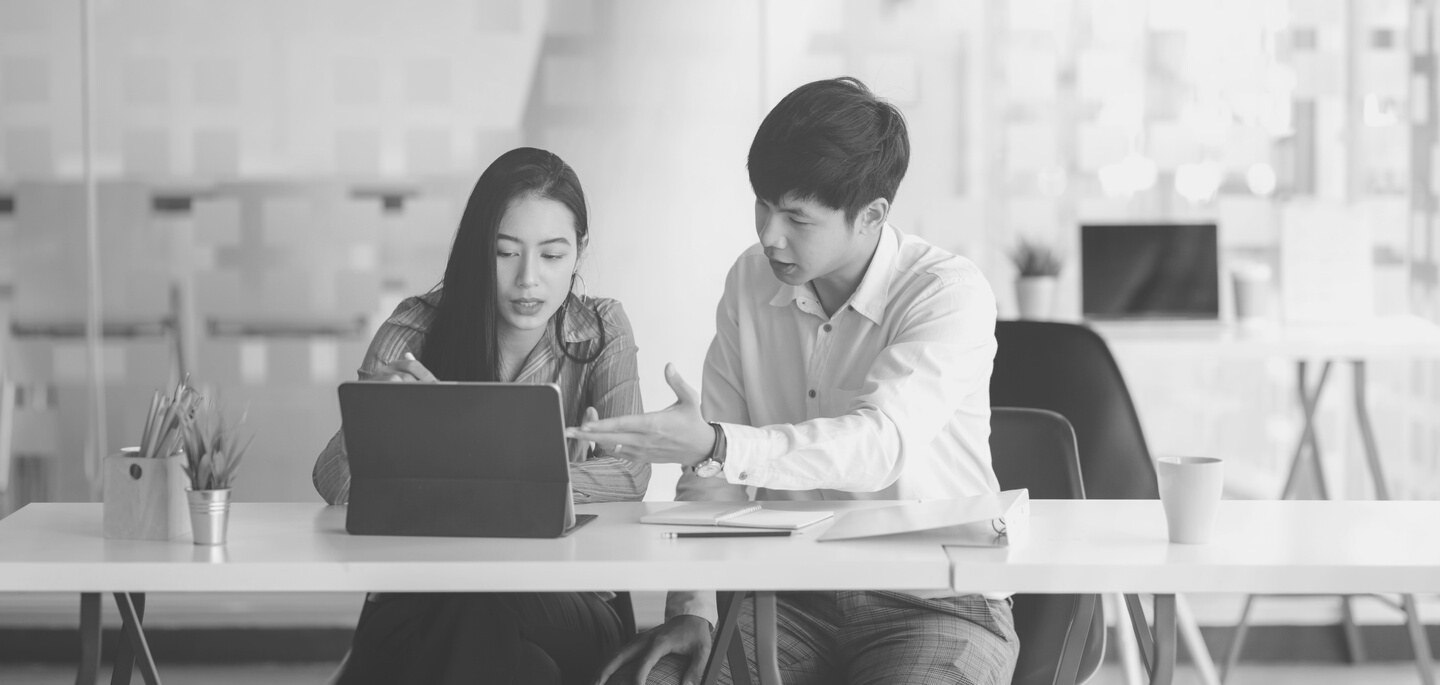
<point x="272" y="178"/>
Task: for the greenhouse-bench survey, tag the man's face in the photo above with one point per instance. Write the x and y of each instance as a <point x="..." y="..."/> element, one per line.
<point x="804" y="239"/>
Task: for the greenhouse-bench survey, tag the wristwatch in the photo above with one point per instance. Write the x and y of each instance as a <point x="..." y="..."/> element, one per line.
<point x="715" y="463"/>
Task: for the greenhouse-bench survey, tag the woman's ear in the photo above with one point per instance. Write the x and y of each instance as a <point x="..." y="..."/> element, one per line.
<point x="575" y="278"/>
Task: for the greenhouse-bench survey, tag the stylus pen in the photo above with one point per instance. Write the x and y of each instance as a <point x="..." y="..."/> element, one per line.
<point x="761" y="534"/>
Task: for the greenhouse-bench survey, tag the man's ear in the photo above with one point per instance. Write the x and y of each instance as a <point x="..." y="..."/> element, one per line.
<point x="872" y="218"/>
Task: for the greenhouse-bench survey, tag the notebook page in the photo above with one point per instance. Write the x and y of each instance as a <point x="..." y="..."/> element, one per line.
<point x="776" y="519"/>
<point x="700" y="513"/>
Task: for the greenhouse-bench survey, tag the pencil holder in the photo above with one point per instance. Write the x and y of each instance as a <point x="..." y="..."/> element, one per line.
<point x="144" y="497"/>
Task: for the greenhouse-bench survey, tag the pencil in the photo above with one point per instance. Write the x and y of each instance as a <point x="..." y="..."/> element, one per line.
<point x="758" y="534"/>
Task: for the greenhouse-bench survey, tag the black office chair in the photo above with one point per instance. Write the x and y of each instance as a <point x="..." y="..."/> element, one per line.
<point x="1068" y="369"/>
<point x="625" y="609"/>
<point x="1062" y="637"/>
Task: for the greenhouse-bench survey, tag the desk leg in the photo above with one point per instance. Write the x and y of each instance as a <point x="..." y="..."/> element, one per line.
<point x="1128" y="652"/>
<point x="766" y="660"/>
<point x="1157" y="644"/>
<point x="133" y="647"/>
<point x="1367" y="433"/>
<point x="1418" y="639"/>
<point x="1309" y="439"/>
<point x="726" y="637"/>
<point x="1164" y="640"/>
<point x="89" y="670"/>
<point x="1143" y="639"/>
<point x="1237" y="639"/>
<point x="1309" y="400"/>
<point x="1353" y="642"/>
<point x="1195" y="642"/>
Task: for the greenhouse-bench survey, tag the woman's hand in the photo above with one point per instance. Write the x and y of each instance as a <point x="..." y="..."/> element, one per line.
<point x="585" y="447"/>
<point x="406" y="369"/>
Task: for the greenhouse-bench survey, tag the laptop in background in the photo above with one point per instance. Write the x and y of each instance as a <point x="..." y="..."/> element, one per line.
<point x="457" y="460"/>
<point x="1150" y="272"/>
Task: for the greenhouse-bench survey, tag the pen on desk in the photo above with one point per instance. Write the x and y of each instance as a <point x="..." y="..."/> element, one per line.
<point x="761" y="534"/>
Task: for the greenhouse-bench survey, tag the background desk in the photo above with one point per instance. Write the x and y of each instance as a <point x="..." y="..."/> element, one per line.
<point x="1376" y="338"/>
<point x="1405" y="337"/>
<point x="1280" y="547"/>
<point x="1356" y="343"/>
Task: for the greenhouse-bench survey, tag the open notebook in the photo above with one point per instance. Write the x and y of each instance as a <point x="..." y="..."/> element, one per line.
<point x="735" y="514"/>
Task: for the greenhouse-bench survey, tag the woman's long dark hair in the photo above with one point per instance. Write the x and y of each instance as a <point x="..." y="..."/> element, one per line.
<point x="463" y="343"/>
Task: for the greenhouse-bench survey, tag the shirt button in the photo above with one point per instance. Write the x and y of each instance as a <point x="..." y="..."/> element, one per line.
<point x="827" y="328"/>
<point x="812" y="393"/>
<point x="744" y="475"/>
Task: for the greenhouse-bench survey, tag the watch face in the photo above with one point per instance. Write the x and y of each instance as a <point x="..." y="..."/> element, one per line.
<point x="708" y="468"/>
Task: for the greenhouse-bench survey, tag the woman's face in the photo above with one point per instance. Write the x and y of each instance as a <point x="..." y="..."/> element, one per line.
<point x="535" y="253"/>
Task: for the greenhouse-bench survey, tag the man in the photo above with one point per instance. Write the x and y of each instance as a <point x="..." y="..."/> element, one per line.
<point x="850" y="361"/>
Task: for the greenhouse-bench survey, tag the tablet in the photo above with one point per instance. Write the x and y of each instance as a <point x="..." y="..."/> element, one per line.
<point x="456" y="460"/>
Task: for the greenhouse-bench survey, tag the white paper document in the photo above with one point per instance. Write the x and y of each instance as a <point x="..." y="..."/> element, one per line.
<point x="999" y="519"/>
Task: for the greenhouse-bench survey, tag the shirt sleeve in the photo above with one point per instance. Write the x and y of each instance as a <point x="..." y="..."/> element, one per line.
<point x="331" y="474"/>
<point x="942" y="352"/>
<point x="613" y="388"/>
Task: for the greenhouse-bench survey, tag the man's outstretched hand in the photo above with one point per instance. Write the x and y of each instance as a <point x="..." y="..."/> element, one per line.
<point x="677" y="434"/>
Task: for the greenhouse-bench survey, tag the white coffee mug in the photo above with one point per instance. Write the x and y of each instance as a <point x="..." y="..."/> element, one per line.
<point x="1190" y="489"/>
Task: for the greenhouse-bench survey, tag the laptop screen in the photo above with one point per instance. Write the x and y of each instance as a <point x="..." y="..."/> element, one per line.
<point x="1149" y="271"/>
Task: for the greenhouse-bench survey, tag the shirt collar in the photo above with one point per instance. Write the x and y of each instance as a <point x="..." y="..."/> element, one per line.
<point x="872" y="294"/>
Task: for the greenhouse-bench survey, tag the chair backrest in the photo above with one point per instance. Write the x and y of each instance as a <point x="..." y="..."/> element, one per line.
<point x="625" y="610"/>
<point x="1035" y="449"/>
<point x="1062" y="637"/>
<point x="1068" y="369"/>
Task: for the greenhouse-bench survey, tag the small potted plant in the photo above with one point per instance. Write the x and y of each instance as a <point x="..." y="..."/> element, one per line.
<point x="1039" y="267"/>
<point x="213" y="450"/>
<point x="144" y="485"/>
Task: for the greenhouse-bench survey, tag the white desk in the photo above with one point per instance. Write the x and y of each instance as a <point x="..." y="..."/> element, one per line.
<point x="1280" y="547"/>
<point x="1076" y="547"/>
<point x="1271" y="546"/>
<point x="1396" y="337"/>
<point x="304" y="548"/>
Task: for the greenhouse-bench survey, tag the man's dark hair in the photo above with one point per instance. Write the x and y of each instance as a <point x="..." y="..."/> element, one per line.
<point x="830" y="141"/>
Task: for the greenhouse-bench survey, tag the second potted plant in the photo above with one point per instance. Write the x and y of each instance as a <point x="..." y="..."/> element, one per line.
<point x="213" y="450"/>
<point x="1039" y="267"/>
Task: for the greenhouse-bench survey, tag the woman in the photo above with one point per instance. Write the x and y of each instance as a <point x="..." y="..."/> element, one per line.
<point x="506" y="311"/>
